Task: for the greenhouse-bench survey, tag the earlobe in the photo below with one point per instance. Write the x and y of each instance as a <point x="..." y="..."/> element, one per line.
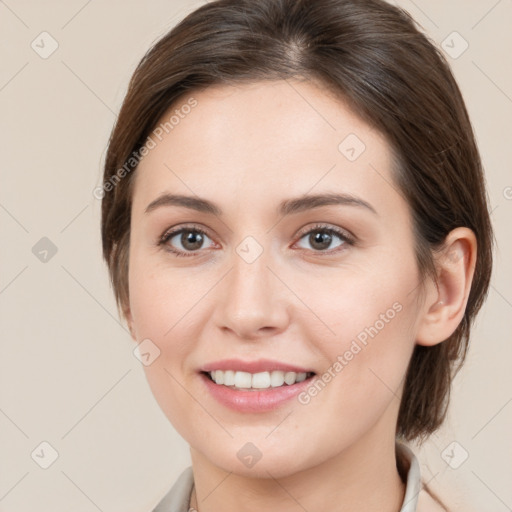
<point x="445" y="303"/>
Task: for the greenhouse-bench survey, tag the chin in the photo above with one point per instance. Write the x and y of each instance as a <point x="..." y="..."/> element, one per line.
<point x="259" y="459"/>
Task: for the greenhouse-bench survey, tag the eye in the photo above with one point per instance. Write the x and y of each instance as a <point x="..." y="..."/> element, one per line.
<point x="321" y="237"/>
<point x="188" y="240"/>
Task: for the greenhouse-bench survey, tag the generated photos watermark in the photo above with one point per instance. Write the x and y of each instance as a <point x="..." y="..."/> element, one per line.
<point x="360" y="342"/>
<point x="151" y="142"/>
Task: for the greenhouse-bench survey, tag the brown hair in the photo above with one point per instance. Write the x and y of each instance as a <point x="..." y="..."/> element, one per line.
<point x="369" y="53"/>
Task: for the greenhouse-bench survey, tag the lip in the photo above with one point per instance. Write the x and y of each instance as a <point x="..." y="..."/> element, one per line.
<point x="254" y="401"/>
<point x="260" y="365"/>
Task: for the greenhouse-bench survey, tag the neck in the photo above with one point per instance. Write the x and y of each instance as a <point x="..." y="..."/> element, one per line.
<point x="362" y="477"/>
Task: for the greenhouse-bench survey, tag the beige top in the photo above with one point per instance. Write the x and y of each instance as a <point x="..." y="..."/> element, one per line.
<point x="416" y="498"/>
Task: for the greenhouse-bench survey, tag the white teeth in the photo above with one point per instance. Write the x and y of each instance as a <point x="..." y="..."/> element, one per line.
<point x="261" y="380"/>
<point x="229" y="378"/>
<point x="276" y="379"/>
<point x="242" y="379"/>
<point x="289" y="377"/>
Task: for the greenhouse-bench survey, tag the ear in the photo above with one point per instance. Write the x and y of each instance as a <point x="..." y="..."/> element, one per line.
<point x="445" y="303"/>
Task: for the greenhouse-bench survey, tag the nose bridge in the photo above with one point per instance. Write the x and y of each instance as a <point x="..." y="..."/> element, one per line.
<point x="251" y="272"/>
<point x="253" y="301"/>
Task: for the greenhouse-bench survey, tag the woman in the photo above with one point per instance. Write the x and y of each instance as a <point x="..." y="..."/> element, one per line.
<point x="296" y="226"/>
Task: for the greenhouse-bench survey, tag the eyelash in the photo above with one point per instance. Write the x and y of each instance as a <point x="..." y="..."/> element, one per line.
<point x="345" y="238"/>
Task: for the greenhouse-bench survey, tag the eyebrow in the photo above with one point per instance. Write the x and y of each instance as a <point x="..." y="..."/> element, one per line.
<point x="286" y="207"/>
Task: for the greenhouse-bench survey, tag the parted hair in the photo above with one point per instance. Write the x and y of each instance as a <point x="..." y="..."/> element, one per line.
<point x="374" y="57"/>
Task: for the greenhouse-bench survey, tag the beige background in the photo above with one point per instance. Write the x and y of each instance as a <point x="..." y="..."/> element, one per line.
<point x="67" y="372"/>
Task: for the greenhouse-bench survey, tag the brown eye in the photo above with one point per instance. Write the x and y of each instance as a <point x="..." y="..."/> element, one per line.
<point x="191" y="240"/>
<point x="184" y="241"/>
<point x="322" y="239"/>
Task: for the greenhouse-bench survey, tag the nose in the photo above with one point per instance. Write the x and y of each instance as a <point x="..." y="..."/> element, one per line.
<point x="254" y="302"/>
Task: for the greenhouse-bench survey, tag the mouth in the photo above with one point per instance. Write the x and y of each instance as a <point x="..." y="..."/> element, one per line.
<point x="260" y="381"/>
<point x="254" y="386"/>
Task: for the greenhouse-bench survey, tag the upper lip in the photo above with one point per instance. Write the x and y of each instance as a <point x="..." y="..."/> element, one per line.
<point x="260" y="365"/>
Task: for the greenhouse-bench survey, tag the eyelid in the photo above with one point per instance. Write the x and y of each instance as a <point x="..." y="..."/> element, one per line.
<point x="321" y="226"/>
<point x="174" y="230"/>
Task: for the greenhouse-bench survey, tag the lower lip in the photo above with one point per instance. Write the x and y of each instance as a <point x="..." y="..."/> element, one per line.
<point x="254" y="401"/>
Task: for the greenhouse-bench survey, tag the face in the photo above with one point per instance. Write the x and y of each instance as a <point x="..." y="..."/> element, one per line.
<point x="252" y="274"/>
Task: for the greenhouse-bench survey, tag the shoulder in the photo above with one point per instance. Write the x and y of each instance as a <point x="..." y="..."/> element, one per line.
<point x="178" y="498"/>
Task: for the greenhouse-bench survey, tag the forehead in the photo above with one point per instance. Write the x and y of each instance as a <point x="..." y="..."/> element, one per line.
<point x="263" y="140"/>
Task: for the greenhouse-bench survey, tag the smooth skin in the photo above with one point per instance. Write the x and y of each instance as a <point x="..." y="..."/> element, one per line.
<point x="247" y="149"/>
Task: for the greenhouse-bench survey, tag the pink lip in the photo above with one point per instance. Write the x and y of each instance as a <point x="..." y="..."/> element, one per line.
<point x="254" y="401"/>
<point x="261" y="365"/>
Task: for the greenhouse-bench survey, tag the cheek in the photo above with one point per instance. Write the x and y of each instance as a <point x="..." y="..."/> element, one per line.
<point x="162" y="300"/>
<point x="372" y="320"/>
<point x="364" y="304"/>
<point x="158" y="311"/>
<point x="162" y="314"/>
